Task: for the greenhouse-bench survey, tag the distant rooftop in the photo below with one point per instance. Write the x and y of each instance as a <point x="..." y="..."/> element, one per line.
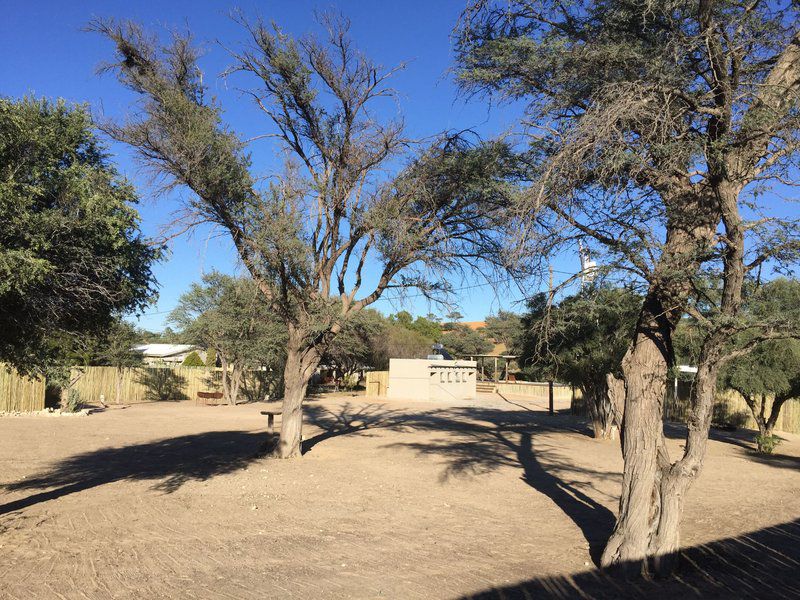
<point x="163" y="350"/>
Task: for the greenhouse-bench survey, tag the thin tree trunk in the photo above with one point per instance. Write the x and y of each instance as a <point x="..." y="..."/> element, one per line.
<point x="118" y="398"/>
<point x="301" y="362"/>
<point x="226" y="392"/>
<point x="235" y="382"/>
<point x="615" y="388"/>
<point x="766" y="425"/>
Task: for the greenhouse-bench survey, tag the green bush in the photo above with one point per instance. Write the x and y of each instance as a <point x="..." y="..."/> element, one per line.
<point x="74" y="402"/>
<point x="193" y="360"/>
<point x="767" y="443"/>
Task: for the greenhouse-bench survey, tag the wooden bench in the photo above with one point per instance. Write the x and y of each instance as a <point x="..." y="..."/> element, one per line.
<point x="205" y="396"/>
<point x="271" y="417"/>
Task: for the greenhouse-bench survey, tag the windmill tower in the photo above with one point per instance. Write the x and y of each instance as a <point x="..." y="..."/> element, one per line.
<point x="588" y="266"/>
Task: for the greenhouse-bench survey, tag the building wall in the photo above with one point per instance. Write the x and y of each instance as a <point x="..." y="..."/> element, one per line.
<point x="422" y="379"/>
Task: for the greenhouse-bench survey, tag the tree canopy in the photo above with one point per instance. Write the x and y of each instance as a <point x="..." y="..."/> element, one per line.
<point x="767" y="372"/>
<point x="581" y="341"/>
<point x="306" y="235"/>
<point x="71" y="253"/>
<point x="462" y="341"/>
<point x="229" y="315"/>
<point x="651" y="128"/>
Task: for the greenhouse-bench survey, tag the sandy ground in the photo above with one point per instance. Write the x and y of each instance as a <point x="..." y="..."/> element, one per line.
<point x="392" y="500"/>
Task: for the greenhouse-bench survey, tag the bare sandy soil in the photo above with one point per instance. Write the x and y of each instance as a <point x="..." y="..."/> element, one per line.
<point x="392" y="500"/>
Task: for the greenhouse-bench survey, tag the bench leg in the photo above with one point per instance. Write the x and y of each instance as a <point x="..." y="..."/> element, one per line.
<point x="270" y="422"/>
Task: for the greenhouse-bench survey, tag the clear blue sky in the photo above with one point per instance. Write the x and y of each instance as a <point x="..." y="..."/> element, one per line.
<point x="46" y="53"/>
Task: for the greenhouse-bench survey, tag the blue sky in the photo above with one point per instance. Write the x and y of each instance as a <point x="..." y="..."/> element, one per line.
<point x="46" y="53"/>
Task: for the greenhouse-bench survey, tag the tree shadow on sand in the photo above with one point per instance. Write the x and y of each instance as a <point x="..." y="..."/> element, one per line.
<point x="349" y="419"/>
<point x="170" y="462"/>
<point x="759" y="564"/>
<point x="745" y="440"/>
<point x="479" y="440"/>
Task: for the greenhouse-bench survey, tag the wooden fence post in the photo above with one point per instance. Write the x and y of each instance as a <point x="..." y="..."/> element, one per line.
<point x="550" y="397"/>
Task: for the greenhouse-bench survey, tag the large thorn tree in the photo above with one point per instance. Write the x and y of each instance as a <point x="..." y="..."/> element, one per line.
<point x="332" y="231"/>
<point x="651" y="125"/>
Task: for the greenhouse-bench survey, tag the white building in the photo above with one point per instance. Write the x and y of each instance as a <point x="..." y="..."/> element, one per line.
<point x="432" y="379"/>
<point x="169" y="354"/>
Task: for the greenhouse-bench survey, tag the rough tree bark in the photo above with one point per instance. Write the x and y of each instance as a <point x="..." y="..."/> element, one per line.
<point x="302" y="361"/>
<point x="601" y="412"/>
<point x="645" y="369"/>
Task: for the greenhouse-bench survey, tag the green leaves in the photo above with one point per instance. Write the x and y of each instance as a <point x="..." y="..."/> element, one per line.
<point x="581" y="339"/>
<point x="71" y="255"/>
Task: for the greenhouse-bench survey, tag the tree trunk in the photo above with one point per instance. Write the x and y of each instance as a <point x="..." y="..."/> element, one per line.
<point x="226" y="392"/>
<point x="301" y="362"/>
<point x="600" y="411"/>
<point x="615" y="388"/>
<point x="234" y="383"/>
<point x="765" y="432"/>
<point x="677" y="478"/>
<point x="118" y="398"/>
<point x="766" y="425"/>
<point x="645" y="369"/>
<point x="691" y="223"/>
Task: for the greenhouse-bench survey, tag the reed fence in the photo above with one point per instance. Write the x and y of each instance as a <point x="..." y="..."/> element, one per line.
<point x="538" y="390"/>
<point x="19" y="393"/>
<point x="377" y="383"/>
<point x="731" y="409"/>
<point x="152" y="384"/>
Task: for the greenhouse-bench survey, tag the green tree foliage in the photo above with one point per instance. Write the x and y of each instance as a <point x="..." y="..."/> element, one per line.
<point x="307" y="234"/>
<point x="71" y="254"/>
<point x="427" y="327"/>
<point x="193" y="360"/>
<point x="767" y="373"/>
<point x="581" y="341"/>
<point x="400" y="342"/>
<point x="355" y="346"/>
<point x="506" y="328"/>
<point x="229" y="315"/>
<point x="462" y="341"/>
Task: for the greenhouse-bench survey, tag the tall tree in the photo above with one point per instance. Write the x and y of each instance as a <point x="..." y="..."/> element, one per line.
<point x="460" y="340"/>
<point x="581" y="341"/>
<point x="767" y="373"/>
<point x="307" y="236"/>
<point x="354" y="347"/>
<point x="425" y="326"/>
<point x="650" y="124"/>
<point x="71" y="253"/>
<point x="505" y="328"/>
<point x="229" y="315"/>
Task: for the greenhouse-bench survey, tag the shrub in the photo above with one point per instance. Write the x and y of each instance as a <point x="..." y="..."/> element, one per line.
<point x="767" y="443"/>
<point x="74" y="402"/>
<point x="193" y="360"/>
